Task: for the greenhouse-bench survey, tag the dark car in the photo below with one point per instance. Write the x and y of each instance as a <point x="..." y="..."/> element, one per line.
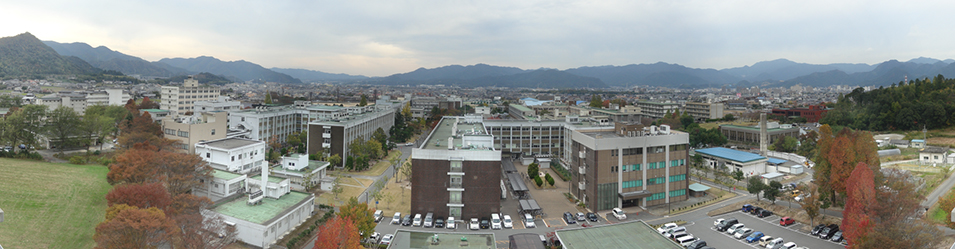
<point x="747" y="208"/>
<point x="406" y="221"/>
<point x="837" y="237"/>
<point x="727" y="224"/>
<point x="815" y="230"/>
<point x="756" y="210"/>
<point x="485" y="224"/>
<point x="696" y="245"/>
<point x="592" y="217"/>
<point x="439" y="222"/>
<point x="827" y="232"/>
<point x="569" y="218"/>
<point x="764" y="213"/>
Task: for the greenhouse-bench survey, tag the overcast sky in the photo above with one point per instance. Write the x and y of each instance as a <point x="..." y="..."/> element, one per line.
<point x="379" y="38"/>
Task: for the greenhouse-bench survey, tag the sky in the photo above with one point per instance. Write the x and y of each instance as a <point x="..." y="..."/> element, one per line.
<point x="380" y="38"/>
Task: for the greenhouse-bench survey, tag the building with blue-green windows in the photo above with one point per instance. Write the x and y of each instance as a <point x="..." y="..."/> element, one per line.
<point x="629" y="165"/>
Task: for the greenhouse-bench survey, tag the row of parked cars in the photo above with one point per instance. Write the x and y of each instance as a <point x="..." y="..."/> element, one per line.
<point x="739" y="231"/>
<point x="573" y="219"/>
<point x="497" y="221"/>
<point x="680" y="236"/>
<point x="828" y="232"/>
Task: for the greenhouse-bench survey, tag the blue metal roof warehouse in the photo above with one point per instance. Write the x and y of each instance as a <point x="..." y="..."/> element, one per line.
<point x="730" y="154"/>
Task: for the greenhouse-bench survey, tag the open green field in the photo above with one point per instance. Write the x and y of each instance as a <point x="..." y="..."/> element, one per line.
<point x="49" y="205"/>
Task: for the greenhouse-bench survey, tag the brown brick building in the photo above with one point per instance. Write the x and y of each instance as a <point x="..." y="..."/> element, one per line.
<point x="462" y="180"/>
<point x="631" y="165"/>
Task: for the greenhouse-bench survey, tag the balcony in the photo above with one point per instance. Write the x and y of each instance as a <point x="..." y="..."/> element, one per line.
<point x="582" y="170"/>
<point x="583" y="154"/>
<point x="326" y="145"/>
<point x="326" y="135"/>
<point x="582" y="185"/>
<point x="456" y="185"/>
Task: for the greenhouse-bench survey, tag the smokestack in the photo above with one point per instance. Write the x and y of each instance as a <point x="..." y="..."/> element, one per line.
<point x="763" y="137"/>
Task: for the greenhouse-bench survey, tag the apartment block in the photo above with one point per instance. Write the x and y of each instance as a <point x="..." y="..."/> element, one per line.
<point x="180" y="99"/>
<point x="704" y="111"/>
<point x="657" y="109"/>
<point x="629" y="165"/>
<point x="334" y="128"/>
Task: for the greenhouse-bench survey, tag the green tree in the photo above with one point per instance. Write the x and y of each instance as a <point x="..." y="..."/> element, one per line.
<point x="337" y="188"/>
<point x="96" y="125"/>
<point x="268" y="97"/>
<point x="360" y="215"/>
<point x="550" y="179"/>
<point x="786" y="144"/>
<point x="538" y="180"/>
<point x="738" y="175"/>
<point x="729" y="117"/>
<point x="24" y="125"/>
<point x="596" y="101"/>
<point x="363" y="101"/>
<point x="62" y="126"/>
<point x="335" y="160"/>
<point x="532" y="170"/>
<point x="755" y="186"/>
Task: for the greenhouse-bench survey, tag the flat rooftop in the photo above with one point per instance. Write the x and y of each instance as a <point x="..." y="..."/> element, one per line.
<point x="439" y="136"/>
<point x="423" y="240"/>
<point x="231" y="143"/>
<point x="266" y="210"/>
<point x="221" y="174"/>
<point x="271" y="179"/>
<point x="756" y="128"/>
<point x="634" y="234"/>
<point x="730" y="154"/>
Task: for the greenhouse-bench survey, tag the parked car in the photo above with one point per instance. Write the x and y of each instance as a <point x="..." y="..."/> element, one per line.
<point x="785" y="221"/>
<point x="496" y="222"/>
<point x="727" y="224"/>
<point x="747" y="208"/>
<point x="474" y="224"/>
<point x="788" y="245"/>
<point x="439" y="222"/>
<point x="764" y="213"/>
<point x="581" y="217"/>
<point x="754" y="237"/>
<point x="529" y="221"/>
<point x="666" y="227"/>
<point x="827" y="232"/>
<point x="618" y="213"/>
<point x="756" y="210"/>
<point x="678" y="235"/>
<point x="815" y="230"/>
<point x="485" y="224"/>
<point x="374" y="237"/>
<point x="396" y="219"/>
<point x="670" y="232"/>
<point x="508" y="223"/>
<point x="378" y="215"/>
<point x="765" y="240"/>
<point x="773" y="244"/>
<point x="697" y="244"/>
<point x="717" y="222"/>
<point x="386" y="240"/>
<point x="450" y="223"/>
<point x="743" y="233"/>
<point x="686" y="240"/>
<point x="734" y="227"/>
<point x="429" y="220"/>
<point x="406" y="221"/>
<point x="837" y="237"/>
<point x="417" y="220"/>
<point x="592" y="217"/>
<point x="569" y="218"/>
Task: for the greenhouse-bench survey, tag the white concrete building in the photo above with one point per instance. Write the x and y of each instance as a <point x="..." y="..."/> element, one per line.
<point x="237" y="155"/>
<point x="221" y="185"/>
<point x="223" y="103"/>
<point x="932" y="155"/>
<point x="751" y="164"/>
<point x="298" y="169"/>
<point x="180" y="99"/>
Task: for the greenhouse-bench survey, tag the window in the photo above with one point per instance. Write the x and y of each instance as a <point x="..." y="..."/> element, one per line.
<point x="213" y="131"/>
<point x="680" y="192"/>
<point x="233" y="158"/>
<point x="677" y="178"/>
<point x="635" y="167"/>
<point x="679" y="162"/>
<point x="656" y="196"/>
<point x="455" y="197"/>
<point x="208" y="155"/>
<point x="456" y="166"/>
<point x="632" y="184"/>
<point x="183" y="133"/>
<point x="456" y="181"/>
<point x="654" y="181"/>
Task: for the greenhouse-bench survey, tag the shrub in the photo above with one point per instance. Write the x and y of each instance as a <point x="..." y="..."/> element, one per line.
<point x="538" y="181"/>
<point x="96" y="152"/>
<point x="533" y="170"/>
<point x="77" y="160"/>
<point x="550" y="179"/>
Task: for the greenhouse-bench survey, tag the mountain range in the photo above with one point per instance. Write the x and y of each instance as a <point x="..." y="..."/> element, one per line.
<point x="24" y="54"/>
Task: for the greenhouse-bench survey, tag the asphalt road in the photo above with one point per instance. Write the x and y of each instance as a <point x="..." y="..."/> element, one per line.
<point x="703" y="229"/>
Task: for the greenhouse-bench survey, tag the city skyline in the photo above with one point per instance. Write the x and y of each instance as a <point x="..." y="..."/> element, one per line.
<point x="384" y="38"/>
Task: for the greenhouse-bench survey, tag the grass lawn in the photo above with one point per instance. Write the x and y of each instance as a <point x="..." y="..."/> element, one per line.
<point x="380" y="166"/>
<point x="48" y="205"/>
<point x="394" y="199"/>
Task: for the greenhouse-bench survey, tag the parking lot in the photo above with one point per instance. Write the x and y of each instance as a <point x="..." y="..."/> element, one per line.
<point x="704" y="230"/>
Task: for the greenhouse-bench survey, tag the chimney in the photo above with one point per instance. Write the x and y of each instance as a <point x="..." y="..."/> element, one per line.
<point x="763" y="137"/>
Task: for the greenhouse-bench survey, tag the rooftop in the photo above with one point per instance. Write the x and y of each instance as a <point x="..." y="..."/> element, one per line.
<point x="153" y="110"/>
<point x="635" y="234"/>
<point x="263" y="212"/>
<point x="731" y="154"/>
<point x="224" y="174"/>
<point x="272" y="179"/>
<point x="438" y="140"/>
<point x="757" y="128"/>
<point x="231" y="143"/>
<point x="522" y="108"/>
<point x="776" y="161"/>
<point x="422" y="240"/>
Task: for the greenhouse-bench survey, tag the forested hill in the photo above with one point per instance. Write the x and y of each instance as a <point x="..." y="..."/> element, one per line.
<point x="25" y="55"/>
<point x="927" y="103"/>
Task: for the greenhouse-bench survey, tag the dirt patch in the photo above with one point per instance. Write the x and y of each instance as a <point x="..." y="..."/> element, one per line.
<point x="941" y="141"/>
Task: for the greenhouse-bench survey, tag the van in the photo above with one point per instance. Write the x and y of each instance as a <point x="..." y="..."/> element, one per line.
<point x="416" y="221"/>
<point x="765" y="240"/>
<point x="495" y="221"/>
<point x="529" y="221"/>
<point x="429" y="220"/>
<point x="777" y="242"/>
<point x="686" y="240"/>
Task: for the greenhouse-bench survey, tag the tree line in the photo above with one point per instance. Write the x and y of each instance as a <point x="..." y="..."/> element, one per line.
<point x="920" y="103"/>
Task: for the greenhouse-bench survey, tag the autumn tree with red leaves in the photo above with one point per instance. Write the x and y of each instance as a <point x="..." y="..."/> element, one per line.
<point x="131" y="227"/>
<point x="837" y="157"/>
<point x="338" y="233"/>
<point x="140" y="195"/>
<point x="144" y="163"/>
<point x="857" y="217"/>
<point x="148" y="104"/>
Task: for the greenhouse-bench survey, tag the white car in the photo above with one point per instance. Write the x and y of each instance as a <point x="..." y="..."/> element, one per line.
<point x="718" y="221"/>
<point x="732" y="229"/>
<point x="617" y="212"/>
<point x="529" y="221"/>
<point x="378" y="215"/>
<point x="449" y="223"/>
<point x="474" y="225"/>
<point x="739" y="234"/>
<point x="386" y="240"/>
<point x="396" y="219"/>
<point x="666" y="227"/>
<point x="508" y="223"/>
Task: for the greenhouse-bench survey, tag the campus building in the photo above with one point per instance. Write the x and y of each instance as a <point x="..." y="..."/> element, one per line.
<point x="199" y="127"/>
<point x="749" y="135"/>
<point x="237" y="155"/>
<point x="704" y="111"/>
<point x="334" y="128"/>
<point x="264" y="122"/>
<point x="629" y="165"/>
<point x="457" y="171"/>
<point x="180" y="99"/>
<point x="812" y="114"/>
<point x="656" y="109"/>
<point x="730" y="160"/>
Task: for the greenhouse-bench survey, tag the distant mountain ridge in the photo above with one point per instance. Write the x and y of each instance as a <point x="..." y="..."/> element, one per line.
<point x="657" y="74"/>
<point x="25" y="55"/>
<point x="105" y="58"/>
<point x="312" y="75"/>
<point x="241" y="70"/>
<point x="483" y="75"/>
<point x="884" y="74"/>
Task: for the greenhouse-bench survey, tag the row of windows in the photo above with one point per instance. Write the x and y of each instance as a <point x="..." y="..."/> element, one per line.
<point x="656" y="196"/>
<point x="676" y="178"/>
<point x="680" y="162"/>
<point x="632" y="184"/>
<point x="632" y="167"/>
<point x="656" y="165"/>
<point x="536" y="137"/>
<point x="675" y="193"/>
<point x="658" y="180"/>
